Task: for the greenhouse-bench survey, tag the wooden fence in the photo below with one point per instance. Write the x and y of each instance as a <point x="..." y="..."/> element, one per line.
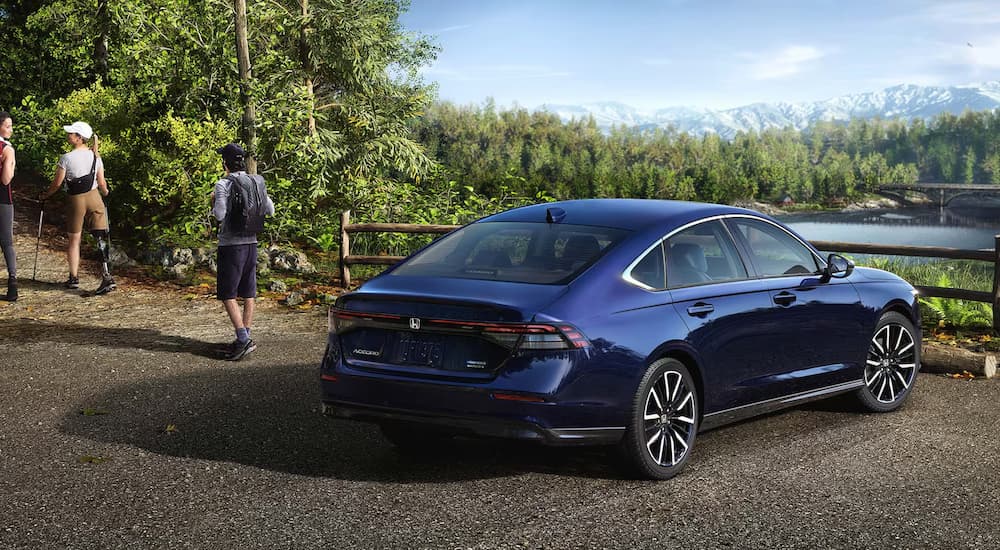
<point x="985" y="255"/>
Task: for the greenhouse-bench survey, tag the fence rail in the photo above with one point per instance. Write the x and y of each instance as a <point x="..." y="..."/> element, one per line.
<point x="985" y="255"/>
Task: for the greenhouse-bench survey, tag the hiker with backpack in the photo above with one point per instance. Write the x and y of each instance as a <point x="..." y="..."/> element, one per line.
<point x="240" y="204"/>
<point x="82" y="172"/>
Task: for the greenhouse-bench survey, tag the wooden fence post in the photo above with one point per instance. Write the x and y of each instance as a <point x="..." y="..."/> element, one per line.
<point x="996" y="283"/>
<point x="345" y="249"/>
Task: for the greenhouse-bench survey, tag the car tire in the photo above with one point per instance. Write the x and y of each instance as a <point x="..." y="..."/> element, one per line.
<point x="415" y="437"/>
<point x="663" y="422"/>
<point x="891" y="364"/>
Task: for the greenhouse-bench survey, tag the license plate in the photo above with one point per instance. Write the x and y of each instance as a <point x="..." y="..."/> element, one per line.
<point x="416" y="351"/>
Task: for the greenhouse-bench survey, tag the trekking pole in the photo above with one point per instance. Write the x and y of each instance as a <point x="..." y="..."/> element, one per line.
<point x="38" y="240"/>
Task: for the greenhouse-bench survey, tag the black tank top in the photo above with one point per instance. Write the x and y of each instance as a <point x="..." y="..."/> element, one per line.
<point x="6" y="195"/>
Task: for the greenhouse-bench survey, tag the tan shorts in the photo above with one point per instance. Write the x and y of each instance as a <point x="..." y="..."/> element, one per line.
<point x="85" y="206"/>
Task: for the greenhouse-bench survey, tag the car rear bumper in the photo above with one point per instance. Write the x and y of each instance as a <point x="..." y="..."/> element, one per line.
<point x="478" y="426"/>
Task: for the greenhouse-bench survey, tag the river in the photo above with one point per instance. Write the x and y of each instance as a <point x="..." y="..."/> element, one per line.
<point x="956" y="227"/>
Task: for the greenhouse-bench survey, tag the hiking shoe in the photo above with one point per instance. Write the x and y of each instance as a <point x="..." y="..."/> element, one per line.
<point x="11" y="290"/>
<point x="238" y="350"/>
<point x="73" y="282"/>
<point x="107" y="285"/>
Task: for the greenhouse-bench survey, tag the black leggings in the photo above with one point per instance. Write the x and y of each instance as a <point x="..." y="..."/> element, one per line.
<point x="7" y="238"/>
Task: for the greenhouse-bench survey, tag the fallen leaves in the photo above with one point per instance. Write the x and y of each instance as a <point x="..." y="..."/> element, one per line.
<point x="964" y="375"/>
<point x="170" y="429"/>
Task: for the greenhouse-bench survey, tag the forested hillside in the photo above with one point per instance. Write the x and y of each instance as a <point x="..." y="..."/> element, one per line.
<point x="535" y="151"/>
<point x="345" y="121"/>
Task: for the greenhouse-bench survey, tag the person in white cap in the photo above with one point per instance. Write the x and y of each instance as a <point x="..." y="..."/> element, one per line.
<point x="83" y="173"/>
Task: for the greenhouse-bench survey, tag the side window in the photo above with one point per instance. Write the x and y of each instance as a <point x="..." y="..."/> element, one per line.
<point x="702" y="254"/>
<point x="649" y="270"/>
<point x="773" y="251"/>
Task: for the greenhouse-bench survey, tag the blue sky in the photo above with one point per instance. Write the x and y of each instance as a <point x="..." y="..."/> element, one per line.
<point x="708" y="53"/>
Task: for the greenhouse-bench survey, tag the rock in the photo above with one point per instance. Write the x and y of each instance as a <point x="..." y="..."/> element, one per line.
<point x="277" y="286"/>
<point x="117" y="257"/>
<point x="289" y="260"/>
<point x="177" y="271"/>
<point x="181" y="256"/>
<point x="294" y="298"/>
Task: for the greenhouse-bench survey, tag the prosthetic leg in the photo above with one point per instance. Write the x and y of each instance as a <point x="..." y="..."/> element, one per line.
<point x="104" y="245"/>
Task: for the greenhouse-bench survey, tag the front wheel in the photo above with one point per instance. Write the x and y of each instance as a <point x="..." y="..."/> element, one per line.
<point x="664" y="421"/>
<point x="891" y="365"/>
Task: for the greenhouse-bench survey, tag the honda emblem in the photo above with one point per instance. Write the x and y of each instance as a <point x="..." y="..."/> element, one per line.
<point x="415" y="323"/>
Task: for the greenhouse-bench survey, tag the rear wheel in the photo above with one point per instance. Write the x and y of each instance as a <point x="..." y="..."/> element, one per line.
<point x="891" y="365"/>
<point x="664" y="421"/>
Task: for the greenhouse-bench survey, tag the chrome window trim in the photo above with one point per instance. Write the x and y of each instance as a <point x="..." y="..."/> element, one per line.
<point x="627" y="273"/>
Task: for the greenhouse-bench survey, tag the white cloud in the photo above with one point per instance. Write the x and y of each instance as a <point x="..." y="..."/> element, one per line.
<point x="978" y="55"/>
<point x="786" y="62"/>
<point x="920" y="79"/>
<point x="962" y="13"/>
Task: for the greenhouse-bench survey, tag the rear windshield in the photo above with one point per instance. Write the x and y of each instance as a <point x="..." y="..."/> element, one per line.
<point x="517" y="252"/>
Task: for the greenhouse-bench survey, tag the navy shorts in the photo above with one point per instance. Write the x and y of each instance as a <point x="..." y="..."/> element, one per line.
<point x="237" y="276"/>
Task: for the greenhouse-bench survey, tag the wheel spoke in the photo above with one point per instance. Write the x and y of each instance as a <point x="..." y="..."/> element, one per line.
<point x="671" y="393"/>
<point x="656" y="398"/>
<point x="899" y="339"/>
<point x="907" y="365"/>
<point x="687" y="398"/>
<point x="892" y="389"/>
<point x="685" y="419"/>
<point x="901" y="379"/>
<point x="673" y="453"/>
<point x="680" y="439"/>
<point x="871" y="381"/>
<point x="882" y="389"/>
<point x="904" y="348"/>
<point x="872" y="363"/>
<point x="652" y="440"/>
<point x="650" y="417"/>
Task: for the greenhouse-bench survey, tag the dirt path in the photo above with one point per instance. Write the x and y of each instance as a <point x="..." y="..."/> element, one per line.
<point x="139" y="302"/>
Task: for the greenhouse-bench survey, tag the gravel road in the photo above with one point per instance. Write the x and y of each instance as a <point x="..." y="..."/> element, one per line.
<point x="119" y="429"/>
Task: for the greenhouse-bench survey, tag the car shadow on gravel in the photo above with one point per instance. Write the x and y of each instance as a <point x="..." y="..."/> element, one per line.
<point x="269" y="418"/>
<point x="28" y="331"/>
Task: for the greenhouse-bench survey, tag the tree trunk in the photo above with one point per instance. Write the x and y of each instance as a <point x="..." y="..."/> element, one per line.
<point x="247" y="127"/>
<point x="101" y="42"/>
<point x="950" y="359"/>
<point x="307" y="66"/>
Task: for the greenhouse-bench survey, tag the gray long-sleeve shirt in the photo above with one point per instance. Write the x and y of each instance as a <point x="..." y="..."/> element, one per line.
<point x="220" y="208"/>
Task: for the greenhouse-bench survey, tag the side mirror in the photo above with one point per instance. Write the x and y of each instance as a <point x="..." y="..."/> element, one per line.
<point x="837" y="267"/>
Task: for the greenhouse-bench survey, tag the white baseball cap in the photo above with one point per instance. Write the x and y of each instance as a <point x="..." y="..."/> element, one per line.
<point x="81" y="128"/>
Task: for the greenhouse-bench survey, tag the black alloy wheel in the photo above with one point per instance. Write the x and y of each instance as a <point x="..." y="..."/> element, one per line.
<point x="891" y="365"/>
<point x="664" y="421"/>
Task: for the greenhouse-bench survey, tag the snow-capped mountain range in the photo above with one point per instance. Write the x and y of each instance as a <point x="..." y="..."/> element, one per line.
<point x="905" y="101"/>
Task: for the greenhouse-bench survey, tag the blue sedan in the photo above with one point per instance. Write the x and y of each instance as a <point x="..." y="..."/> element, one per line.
<point x="634" y="323"/>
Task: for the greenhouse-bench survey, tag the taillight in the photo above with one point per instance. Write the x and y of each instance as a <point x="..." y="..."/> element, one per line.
<point x="540" y="337"/>
<point x="339" y="320"/>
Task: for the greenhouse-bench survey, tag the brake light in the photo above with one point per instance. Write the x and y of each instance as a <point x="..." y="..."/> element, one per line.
<point x="533" y="336"/>
<point x="339" y="320"/>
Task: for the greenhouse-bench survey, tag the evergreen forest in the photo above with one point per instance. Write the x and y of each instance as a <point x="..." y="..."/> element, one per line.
<point x="344" y="120"/>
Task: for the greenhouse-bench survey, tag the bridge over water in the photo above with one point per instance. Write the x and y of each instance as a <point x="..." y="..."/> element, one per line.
<point x="940" y="193"/>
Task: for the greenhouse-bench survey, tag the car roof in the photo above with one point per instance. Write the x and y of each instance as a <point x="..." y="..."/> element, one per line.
<point x="629" y="214"/>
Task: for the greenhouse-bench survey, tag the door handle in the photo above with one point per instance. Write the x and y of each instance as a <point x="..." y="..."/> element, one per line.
<point x="700" y="309"/>
<point x="784" y="298"/>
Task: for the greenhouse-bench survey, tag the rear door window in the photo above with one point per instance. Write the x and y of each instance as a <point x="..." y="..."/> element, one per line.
<point x="702" y="254"/>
